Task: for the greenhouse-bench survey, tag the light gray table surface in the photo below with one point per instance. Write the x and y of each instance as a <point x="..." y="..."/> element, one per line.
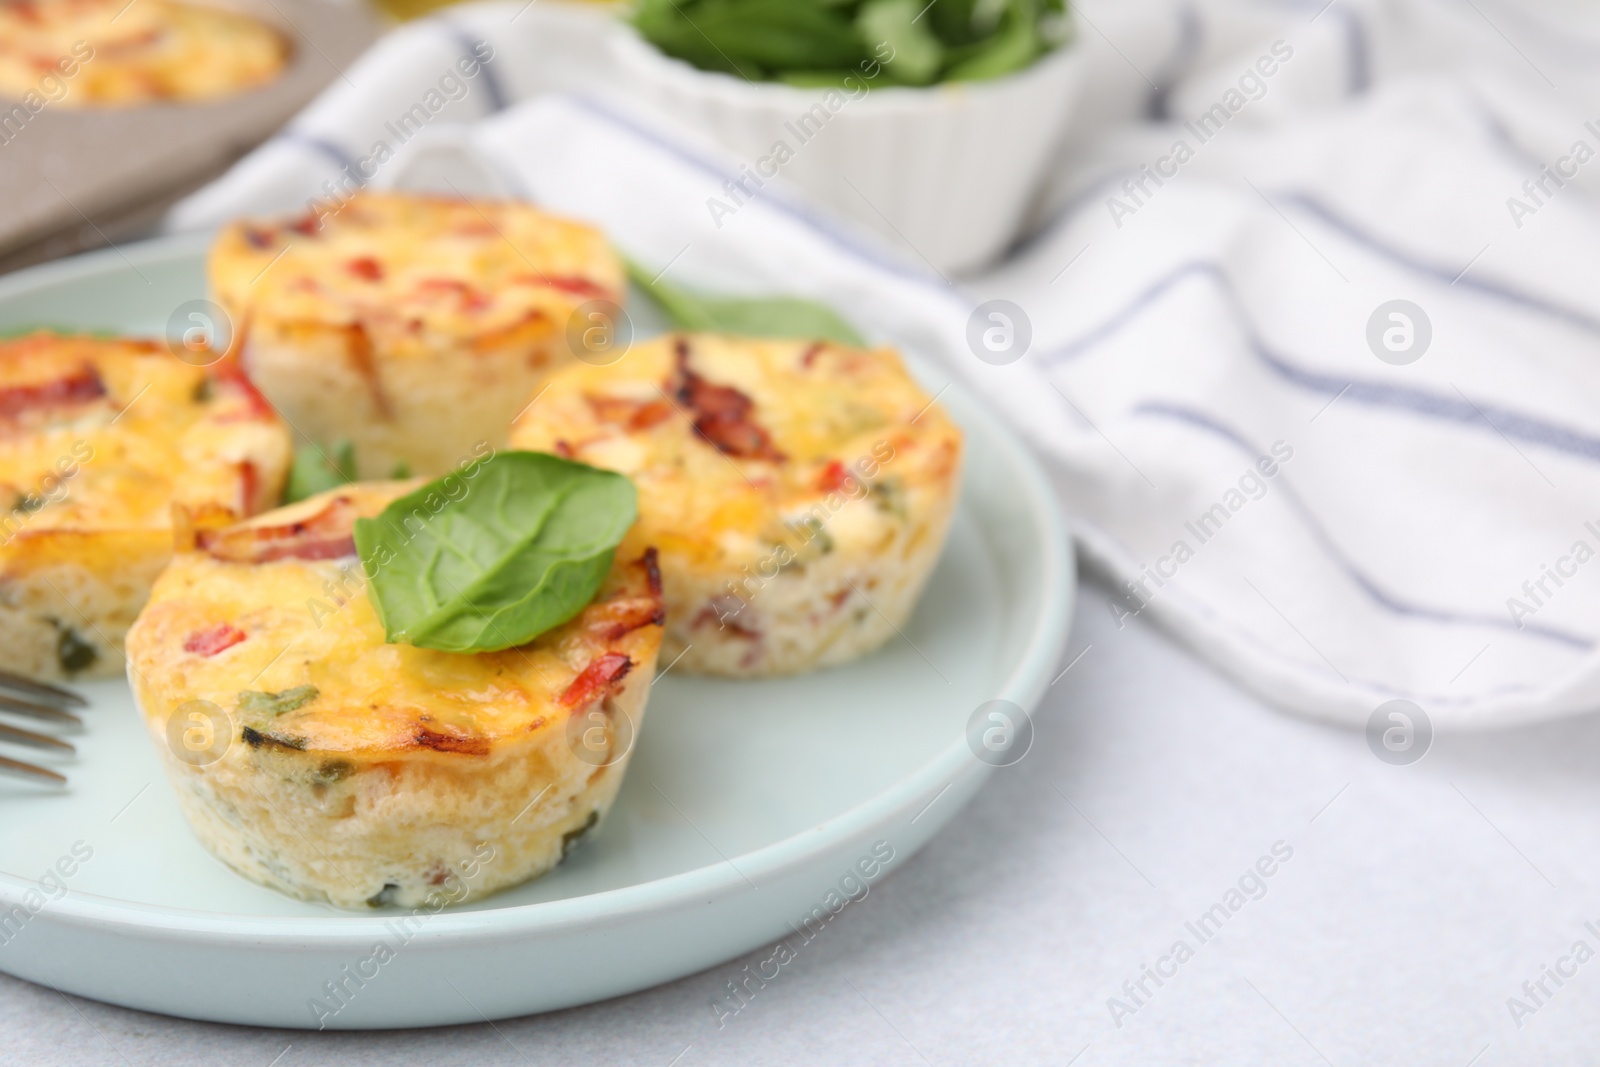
<point x="1416" y="901"/>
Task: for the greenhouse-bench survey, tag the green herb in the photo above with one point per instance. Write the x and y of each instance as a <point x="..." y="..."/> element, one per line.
<point x="890" y="496"/>
<point x="316" y="470"/>
<point x="267" y="739"/>
<point x="385" y="896"/>
<point x="917" y="53"/>
<point x="807" y="540"/>
<point x="257" y="702"/>
<point x="766" y="316"/>
<point x="73" y="652"/>
<point x="751" y="37"/>
<point x="963" y="22"/>
<point x="331" y="771"/>
<point x="855" y="44"/>
<point x="1013" y="47"/>
<point x="401" y="471"/>
<point x="520" y="552"/>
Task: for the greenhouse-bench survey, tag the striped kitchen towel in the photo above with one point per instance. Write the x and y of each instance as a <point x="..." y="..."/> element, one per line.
<point x="1305" y="327"/>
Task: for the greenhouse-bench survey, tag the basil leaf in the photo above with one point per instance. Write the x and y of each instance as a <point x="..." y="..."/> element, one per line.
<point x="486" y="560"/>
<point x="751" y="37"/>
<point x="1015" y="46"/>
<point x="763" y="316"/>
<point x="917" y="52"/>
<point x="779" y="34"/>
<point x="664" y="24"/>
<point x="818" y="43"/>
<point x="956" y="21"/>
<point x="316" y="470"/>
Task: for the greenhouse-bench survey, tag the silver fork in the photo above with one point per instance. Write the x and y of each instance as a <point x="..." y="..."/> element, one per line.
<point x="42" y="702"/>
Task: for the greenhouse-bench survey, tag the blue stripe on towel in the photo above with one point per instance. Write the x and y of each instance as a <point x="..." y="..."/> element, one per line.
<point x="1374" y="393"/>
<point x="1435" y="405"/>
<point x="1526" y="301"/>
<point x="1360" y="68"/>
<point x="1191" y="33"/>
<point x="488" y="78"/>
<point x="1124" y="317"/>
<point x="1358" y="64"/>
<point x="319" y="144"/>
<point x="1386" y="600"/>
<point x="1366" y="239"/>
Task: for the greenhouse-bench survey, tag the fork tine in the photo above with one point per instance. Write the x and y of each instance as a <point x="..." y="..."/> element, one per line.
<point x="13" y="706"/>
<point x="28" y="737"/>
<point x="28" y="770"/>
<point x="41" y="690"/>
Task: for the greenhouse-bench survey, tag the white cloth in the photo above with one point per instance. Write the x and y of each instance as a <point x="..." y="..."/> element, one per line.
<point x="1403" y="544"/>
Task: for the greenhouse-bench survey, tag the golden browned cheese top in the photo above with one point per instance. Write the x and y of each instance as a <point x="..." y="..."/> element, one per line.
<point x="104" y="435"/>
<point x="306" y="630"/>
<point x="410" y="271"/>
<point x="731" y="440"/>
<point x="100" y="53"/>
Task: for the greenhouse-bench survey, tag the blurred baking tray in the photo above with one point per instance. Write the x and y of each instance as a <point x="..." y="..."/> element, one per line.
<point x="78" y="179"/>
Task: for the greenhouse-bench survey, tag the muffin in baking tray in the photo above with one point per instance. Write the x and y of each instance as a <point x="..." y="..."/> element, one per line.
<point x="331" y="766"/>
<point x="109" y="53"/>
<point x="99" y="439"/>
<point x="414" y="327"/>
<point x="799" y="492"/>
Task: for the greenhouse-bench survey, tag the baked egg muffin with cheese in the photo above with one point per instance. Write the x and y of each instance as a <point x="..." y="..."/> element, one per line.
<point x="100" y="440"/>
<point x="413" y="326"/>
<point x="315" y="758"/>
<point x="799" y="492"/>
<point x="111" y="53"/>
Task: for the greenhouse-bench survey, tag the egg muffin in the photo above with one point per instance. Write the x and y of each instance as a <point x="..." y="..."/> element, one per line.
<point x="313" y="758"/>
<point x="799" y="492"/>
<point x="110" y="53"/>
<point x="413" y="326"/>
<point x="99" y="438"/>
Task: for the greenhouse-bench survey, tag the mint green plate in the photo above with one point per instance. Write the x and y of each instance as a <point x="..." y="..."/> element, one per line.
<point x="748" y="805"/>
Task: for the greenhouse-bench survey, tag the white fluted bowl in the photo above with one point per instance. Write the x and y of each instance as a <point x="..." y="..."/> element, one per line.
<point x="946" y="172"/>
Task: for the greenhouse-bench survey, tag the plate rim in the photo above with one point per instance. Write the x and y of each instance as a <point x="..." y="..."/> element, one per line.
<point x="1023" y="684"/>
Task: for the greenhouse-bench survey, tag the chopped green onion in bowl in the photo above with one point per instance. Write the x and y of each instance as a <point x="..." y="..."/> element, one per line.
<point x="846" y="43"/>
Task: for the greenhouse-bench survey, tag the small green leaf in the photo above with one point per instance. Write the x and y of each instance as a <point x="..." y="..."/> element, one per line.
<point x="889" y="494"/>
<point x="955" y="21"/>
<point x="256" y="702"/>
<point x="917" y="52"/>
<point x="779" y="34"/>
<point x="316" y="470"/>
<point x="818" y="43"/>
<point x="764" y="316"/>
<point x="1016" y="45"/>
<point x="73" y="652"/>
<point x="520" y="551"/>
<point x="751" y="37"/>
<point x="664" y="24"/>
